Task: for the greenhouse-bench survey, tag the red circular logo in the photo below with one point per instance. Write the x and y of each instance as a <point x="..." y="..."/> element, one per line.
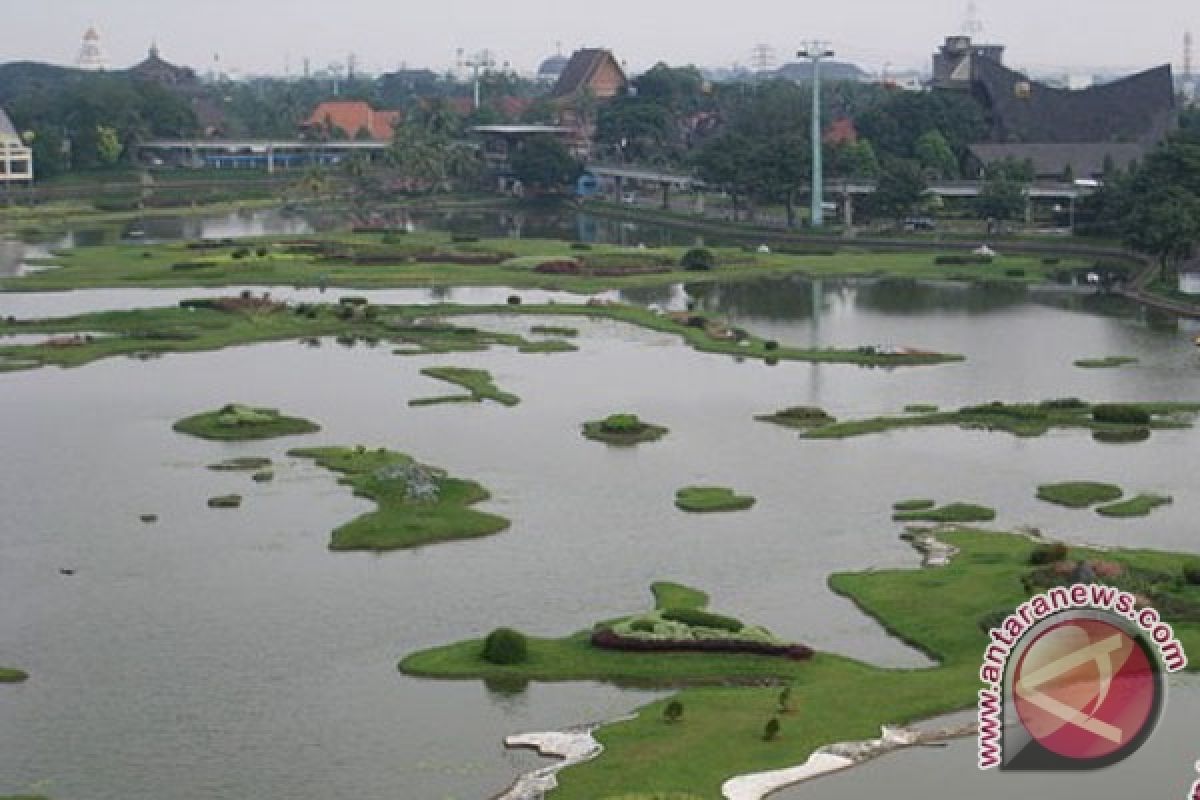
<point x="1085" y="689"/>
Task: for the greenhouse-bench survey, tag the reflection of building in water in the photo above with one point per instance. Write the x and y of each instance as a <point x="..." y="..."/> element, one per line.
<point x="16" y="158"/>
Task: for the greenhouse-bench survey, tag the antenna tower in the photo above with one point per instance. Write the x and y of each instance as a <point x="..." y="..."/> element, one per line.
<point x="973" y="25"/>
<point x="1188" y="43"/>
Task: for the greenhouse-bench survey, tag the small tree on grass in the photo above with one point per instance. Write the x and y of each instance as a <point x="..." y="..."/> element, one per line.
<point x="504" y="646"/>
<point x="771" y="731"/>
<point x="673" y="712"/>
<point x="785" y="700"/>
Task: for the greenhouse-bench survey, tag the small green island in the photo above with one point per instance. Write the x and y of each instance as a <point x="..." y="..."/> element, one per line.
<point x="1109" y="422"/>
<point x="417" y="504"/>
<point x="929" y="511"/>
<point x="478" y="382"/>
<point x="242" y="464"/>
<point x="1138" y="506"/>
<point x="623" y="430"/>
<point x="11" y="675"/>
<point x="1108" y="362"/>
<point x="707" y="499"/>
<point x="802" y="417"/>
<point x="1079" y="494"/>
<point x="225" y="501"/>
<point x="236" y="423"/>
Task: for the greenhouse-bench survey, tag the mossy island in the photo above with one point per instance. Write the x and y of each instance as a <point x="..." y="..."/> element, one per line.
<point x="623" y="430"/>
<point x="803" y="417"/>
<point x="418" y="504"/>
<point x="952" y="513"/>
<point x="478" y="382"/>
<point x="235" y="423"/>
<point x="1079" y="494"/>
<point x="225" y="501"/>
<point x="1138" y="506"/>
<point x="708" y="499"/>
<point x="11" y="675"/>
<point x="1108" y="362"/>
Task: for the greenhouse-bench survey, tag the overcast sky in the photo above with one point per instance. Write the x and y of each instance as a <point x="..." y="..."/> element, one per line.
<point x="267" y="35"/>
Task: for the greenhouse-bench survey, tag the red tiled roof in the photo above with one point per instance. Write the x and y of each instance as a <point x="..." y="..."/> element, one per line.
<point x="842" y="131"/>
<point x="353" y="116"/>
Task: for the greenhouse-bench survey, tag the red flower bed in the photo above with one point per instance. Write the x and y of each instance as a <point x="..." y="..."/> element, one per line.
<point x="606" y="638"/>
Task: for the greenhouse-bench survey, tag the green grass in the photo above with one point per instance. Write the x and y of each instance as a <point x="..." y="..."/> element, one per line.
<point x="422" y="329"/>
<point x="238" y="423"/>
<point x="952" y="513"/>
<point x="1079" y="494"/>
<point x="1108" y="362"/>
<point x="1019" y="419"/>
<point x="726" y="704"/>
<point x="128" y="265"/>
<point x="404" y="517"/>
<point x="10" y="675"/>
<point x="915" y="504"/>
<point x="1139" y="506"/>
<point x="478" y="382"/>
<point x="802" y="417"/>
<point x="705" y="499"/>
<point x="623" y="430"/>
<point x="676" y="595"/>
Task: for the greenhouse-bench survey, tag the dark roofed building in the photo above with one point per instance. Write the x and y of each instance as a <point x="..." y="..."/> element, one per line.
<point x="592" y="70"/>
<point x="1053" y="160"/>
<point x="552" y="68"/>
<point x="157" y="70"/>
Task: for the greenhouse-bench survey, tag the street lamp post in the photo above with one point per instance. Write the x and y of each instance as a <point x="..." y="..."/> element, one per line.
<point x="815" y="51"/>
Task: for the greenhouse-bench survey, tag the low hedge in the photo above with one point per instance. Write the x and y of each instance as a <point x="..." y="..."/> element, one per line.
<point x="609" y="640"/>
<point x="703" y="619"/>
<point x="1120" y="414"/>
<point x="961" y="261"/>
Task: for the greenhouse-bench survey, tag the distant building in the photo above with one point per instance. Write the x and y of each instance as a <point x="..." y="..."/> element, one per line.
<point x="589" y="71"/>
<point x="91" y="54"/>
<point x="16" y="158"/>
<point x="155" y="70"/>
<point x="552" y="68"/>
<point x="350" y="119"/>
<point x="1062" y="131"/>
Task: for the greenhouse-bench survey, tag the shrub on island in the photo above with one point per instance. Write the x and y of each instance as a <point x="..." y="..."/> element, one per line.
<point x="623" y="429"/>
<point x="505" y="647"/>
<point x="236" y="422"/>
<point x="698" y="259"/>
<point x="610" y="640"/>
<point x="1121" y="414"/>
<point x="799" y="417"/>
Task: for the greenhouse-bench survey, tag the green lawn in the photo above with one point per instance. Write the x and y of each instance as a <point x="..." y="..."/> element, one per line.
<point x="728" y="699"/>
<point x="239" y="423"/>
<point x="417" y="504"/>
<point x="705" y="499"/>
<point x="1079" y="494"/>
<point x="478" y="382"/>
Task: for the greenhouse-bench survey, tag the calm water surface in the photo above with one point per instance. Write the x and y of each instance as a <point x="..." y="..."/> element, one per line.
<point x="218" y="654"/>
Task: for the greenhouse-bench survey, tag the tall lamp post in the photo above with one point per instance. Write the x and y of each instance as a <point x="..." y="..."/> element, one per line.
<point x="815" y="51"/>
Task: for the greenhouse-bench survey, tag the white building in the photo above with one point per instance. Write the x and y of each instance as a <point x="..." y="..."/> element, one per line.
<point x="16" y="159"/>
<point x="91" y="54"/>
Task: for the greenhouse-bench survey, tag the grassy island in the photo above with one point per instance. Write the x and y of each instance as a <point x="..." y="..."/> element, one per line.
<point x="1139" y="506"/>
<point x="215" y="323"/>
<point x="802" y="417"/>
<point x="1133" y="421"/>
<point x="1079" y="494"/>
<point x="478" y="382"/>
<point x="952" y="513"/>
<point x="914" y="504"/>
<point x="623" y="430"/>
<point x="418" y="504"/>
<point x="1108" y="362"/>
<point x="10" y="675"/>
<point x="242" y="464"/>
<point x="554" y="330"/>
<point x="225" y="501"/>
<point x="938" y="611"/>
<point x="704" y="499"/>
<point x="238" y="423"/>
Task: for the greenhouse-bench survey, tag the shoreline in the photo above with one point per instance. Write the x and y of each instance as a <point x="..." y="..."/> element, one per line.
<point x="572" y="746"/>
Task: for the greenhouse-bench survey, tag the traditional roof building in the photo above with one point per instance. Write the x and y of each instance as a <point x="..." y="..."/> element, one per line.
<point x="591" y="71"/>
<point x="156" y="70"/>
<point x="16" y="158"/>
<point x="352" y="119"/>
<point x="1059" y="130"/>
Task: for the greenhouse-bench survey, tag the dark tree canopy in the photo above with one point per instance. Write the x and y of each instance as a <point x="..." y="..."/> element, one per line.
<point x="543" y="163"/>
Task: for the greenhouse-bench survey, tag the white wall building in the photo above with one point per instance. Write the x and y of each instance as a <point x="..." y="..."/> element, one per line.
<point x="16" y="159"/>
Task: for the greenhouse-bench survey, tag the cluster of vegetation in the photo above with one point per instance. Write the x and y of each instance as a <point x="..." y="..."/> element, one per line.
<point x="727" y="695"/>
<point x="242" y="464"/>
<point x="478" y="382"/>
<point x="954" y="513"/>
<point x="1108" y="362"/>
<point x="505" y="647"/>
<point x="10" y="675"/>
<point x="235" y="422"/>
<point x="1138" y="506"/>
<point x="418" y="505"/>
<point x="914" y="504"/>
<point x="1079" y="494"/>
<point x="1115" y="421"/>
<point x="225" y="501"/>
<point x="803" y="417"/>
<point x="703" y="499"/>
<point x="623" y="429"/>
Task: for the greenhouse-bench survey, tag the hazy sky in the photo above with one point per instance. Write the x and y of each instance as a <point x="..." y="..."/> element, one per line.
<point x="266" y="35"/>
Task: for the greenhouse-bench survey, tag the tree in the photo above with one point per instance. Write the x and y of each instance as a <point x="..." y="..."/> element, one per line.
<point x="1166" y="225"/>
<point x="543" y="163"/>
<point x="673" y="712"/>
<point x="641" y="129"/>
<point x="785" y="700"/>
<point x="108" y="145"/>
<point x="934" y="154"/>
<point x="854" y="160"/>
<point x="1003" y="194"/>
<point x="900" y="190"/>
<point x="771" y="731"/>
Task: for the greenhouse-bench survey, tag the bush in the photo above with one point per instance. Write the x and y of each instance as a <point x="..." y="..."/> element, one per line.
<point x="622" y="423"/>
<point x="352" y="301"/>
<point x="1064" y="404"/>
<point x="961" y="261"/>
<point x="770" y="344"/>
<point x="1016" y="272"/>
<point x="240" y="253"/>
<point x="1191" y="574"/>
<point x="460" y="238"/>
<point x="702" y="619"/>
<point x="698" y="258"/>
<point x="505" y="646"/>
<point x="580" y="246"/>
<point x="1048" y="554"/>
<point x="514" y="300"/>
<point x="1051" y="261"/>
<point x="642" y="625"/>
<point x="1118" y="414"/>
<point x="673" y="712"/>
<point x="771" y="731"/>
<point x="261" y="251"/>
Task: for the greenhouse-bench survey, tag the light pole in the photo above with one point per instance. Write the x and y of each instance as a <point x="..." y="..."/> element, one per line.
<point x="815" y="51"/>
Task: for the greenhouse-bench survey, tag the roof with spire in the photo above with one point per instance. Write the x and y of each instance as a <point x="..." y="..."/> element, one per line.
<point x="155" y="68"/>
<point x="8" y="131"/>
<point x="593" y="69"/>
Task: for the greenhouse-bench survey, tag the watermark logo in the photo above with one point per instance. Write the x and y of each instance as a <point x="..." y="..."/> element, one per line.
<point x="1074" y="680"/>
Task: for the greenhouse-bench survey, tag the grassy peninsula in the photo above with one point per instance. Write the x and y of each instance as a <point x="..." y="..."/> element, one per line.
<point x="1138" y="506"/>
<point x="239" y="423"/>
<point x="478" y="382"/>
<point x="417" y="504"/>
<point x="10" y="675"/>
<point x="1079" y="494"/>
<point x="938" y="611"/>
